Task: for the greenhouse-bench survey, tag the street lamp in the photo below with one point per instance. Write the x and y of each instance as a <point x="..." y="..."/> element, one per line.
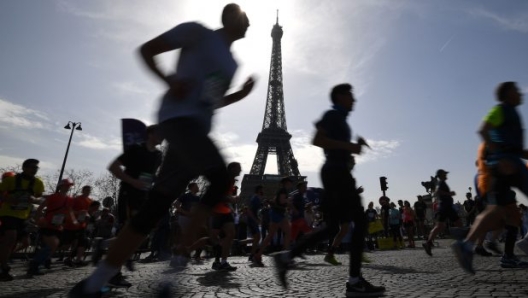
<point x="75" y="126"/>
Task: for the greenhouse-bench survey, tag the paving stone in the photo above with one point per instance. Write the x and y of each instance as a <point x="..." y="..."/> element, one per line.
<point x="407" y="273"/>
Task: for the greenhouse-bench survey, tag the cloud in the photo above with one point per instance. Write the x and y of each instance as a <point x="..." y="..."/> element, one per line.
<point x="16" y="115"/>
<point x="381" y="149"/>
<point x="127" y="88"/>
<point x="93" y="142"/>
<point x="514" y="23"/>
<point x="446" y="43"/>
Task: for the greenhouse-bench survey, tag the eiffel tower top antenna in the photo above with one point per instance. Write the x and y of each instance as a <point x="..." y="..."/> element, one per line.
<point x="277" y="16"/>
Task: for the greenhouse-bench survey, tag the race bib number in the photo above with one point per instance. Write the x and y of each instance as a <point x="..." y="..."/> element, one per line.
<point x="57" y="219"/>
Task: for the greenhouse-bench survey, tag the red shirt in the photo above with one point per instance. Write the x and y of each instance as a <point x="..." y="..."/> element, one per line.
<point x="223" y="207"/>
<point x="58" y="208"/>
<point x="80" y="207"/>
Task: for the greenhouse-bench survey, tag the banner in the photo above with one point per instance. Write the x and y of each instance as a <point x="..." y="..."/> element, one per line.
<point x="133" y="132"/>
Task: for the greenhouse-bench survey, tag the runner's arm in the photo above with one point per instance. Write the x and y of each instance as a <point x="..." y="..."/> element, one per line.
<point x="242" y="93"/>
<point x="323" y="141"/>
<point x="116" y="168"/>
<point x="152" y="48"/>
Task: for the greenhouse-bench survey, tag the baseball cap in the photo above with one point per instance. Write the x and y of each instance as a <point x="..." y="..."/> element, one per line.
<point x="66" y="182"/>
<point x="440" y="172"/>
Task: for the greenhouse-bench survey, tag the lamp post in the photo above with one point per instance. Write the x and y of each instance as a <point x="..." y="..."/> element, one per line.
<point x="75" y="126"/>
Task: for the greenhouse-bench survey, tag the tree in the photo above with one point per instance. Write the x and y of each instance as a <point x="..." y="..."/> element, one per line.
<point x="80" y="178"/>
<point x="17" y="169"/>
<point x="107" y="185"/>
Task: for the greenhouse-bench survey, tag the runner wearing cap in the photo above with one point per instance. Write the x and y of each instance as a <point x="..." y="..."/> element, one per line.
<point x="445" y="211"/>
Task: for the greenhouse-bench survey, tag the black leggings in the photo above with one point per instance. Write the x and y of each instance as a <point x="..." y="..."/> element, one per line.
<point x="189" y="154"/>
<point x="343" y="204"/>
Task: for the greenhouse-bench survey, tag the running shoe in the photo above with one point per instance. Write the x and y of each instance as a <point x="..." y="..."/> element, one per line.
<point x="523" y="245"/>
<point x="226" y="267"/>
<point x="363" y="289"/>
<point x="464" y="255"/>
<point x="330" y="258"/>
<point x="282" y="262"/>
<point x="481" y="251"/>
<point x="512" y="262"/>
<point x="216" y="265"/>
<point x="118" y="281"/>
<point x="257" y="262"/>
<point x="428" y="246"/>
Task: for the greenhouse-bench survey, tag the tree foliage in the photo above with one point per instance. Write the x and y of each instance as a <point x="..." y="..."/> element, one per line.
<point x="107" y="185"/>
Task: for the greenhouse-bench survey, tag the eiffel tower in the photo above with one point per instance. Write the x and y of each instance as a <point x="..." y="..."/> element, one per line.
<point x="274" y="137"/>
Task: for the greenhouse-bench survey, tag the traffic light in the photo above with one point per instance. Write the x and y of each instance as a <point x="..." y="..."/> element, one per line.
<point x="383" y="183"/>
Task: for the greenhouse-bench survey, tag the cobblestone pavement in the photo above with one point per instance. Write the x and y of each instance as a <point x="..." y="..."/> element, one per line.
<point x="405" y="273"/>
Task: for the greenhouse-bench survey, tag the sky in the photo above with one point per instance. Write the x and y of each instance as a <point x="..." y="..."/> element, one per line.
<point x="424" y="74"/>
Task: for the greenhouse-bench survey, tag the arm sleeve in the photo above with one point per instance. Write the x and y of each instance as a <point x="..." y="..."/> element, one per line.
<point x="495" y="116"/>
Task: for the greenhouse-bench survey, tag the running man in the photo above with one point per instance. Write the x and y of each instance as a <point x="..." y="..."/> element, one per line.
<point x="135" y="168"/>
<point x="342" y="201"/>
<point x="503" y="135"/>
<point x="204" y="72"/>
<point x="445" y="211"/>
<point x="22" y="191"/>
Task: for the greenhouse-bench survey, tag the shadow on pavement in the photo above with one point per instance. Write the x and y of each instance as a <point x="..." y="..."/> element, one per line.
<point x="217" y="278"/>
<point x="395" y="269"/>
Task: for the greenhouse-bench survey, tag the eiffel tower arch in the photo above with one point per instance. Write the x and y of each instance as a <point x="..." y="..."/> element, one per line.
<point x="274" y="137"/>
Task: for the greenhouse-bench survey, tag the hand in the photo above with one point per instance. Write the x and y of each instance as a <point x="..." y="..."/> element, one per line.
<point x="453" y="193"/>
<point x="248" y="86"/>
<point x="360" y="190"/>
<point x="136" y="183"/>
<point x="355" y="148"/>
<point x="362" y="142"/>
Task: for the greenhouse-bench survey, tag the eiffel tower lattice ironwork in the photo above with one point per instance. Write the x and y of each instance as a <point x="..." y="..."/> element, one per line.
<point x="274" y="137"/>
